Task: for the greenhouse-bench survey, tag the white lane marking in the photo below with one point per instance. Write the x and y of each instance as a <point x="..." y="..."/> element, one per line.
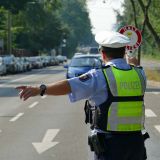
<point x="33" y="104"/>
<point x="156" y="93"/>
<point x="43" y="97"/>
<point x="47" y="141"/>
<point x="157" y="127"/>
<point x="16" y="117"/>
<point x="149" y="113"/>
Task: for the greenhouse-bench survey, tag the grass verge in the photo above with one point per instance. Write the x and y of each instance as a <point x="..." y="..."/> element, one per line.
<point x="153" y="75"/>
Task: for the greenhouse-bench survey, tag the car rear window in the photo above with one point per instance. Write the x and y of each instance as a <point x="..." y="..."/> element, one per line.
<point x="85" y="62"/>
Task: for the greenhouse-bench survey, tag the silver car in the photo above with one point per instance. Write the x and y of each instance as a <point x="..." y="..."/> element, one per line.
<point x="3" y="69"/>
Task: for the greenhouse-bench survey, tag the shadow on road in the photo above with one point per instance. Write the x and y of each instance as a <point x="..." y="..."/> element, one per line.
<point x="153" y="89"/>
<point x="8" y="92"/>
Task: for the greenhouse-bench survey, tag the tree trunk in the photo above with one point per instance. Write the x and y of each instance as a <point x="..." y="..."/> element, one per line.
<point x="136" y="24"/>
<point x="134" y="10"/>
<point x="147" y="21"/>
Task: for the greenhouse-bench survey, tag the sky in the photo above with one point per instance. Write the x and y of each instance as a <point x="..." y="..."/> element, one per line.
<point x="102" y="14"/>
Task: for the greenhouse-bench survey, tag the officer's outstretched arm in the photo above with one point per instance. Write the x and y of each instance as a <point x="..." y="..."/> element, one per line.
<point x="58" y="88"/>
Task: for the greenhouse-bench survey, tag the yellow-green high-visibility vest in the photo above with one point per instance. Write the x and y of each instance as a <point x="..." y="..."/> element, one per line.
<point x="126" y="110"/>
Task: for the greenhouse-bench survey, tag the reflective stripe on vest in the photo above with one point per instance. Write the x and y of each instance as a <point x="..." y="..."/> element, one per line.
<point x="125" y="115"/>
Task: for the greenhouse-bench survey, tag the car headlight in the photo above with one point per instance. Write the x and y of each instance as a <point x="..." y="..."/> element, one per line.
<point x="70" y="74"/>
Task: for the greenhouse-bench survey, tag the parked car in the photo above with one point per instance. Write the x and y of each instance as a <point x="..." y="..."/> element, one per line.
<point x="27" y="63"/>
<point x="3" y="69"/>
<point x="61" y="58"/>
<point x="52" y="60"/>
<point x="81" y="64"/>
<point x="55" y="59"/>
<point x="36" y="62"/>
<point x="44" y="61"/>
<point x="9" y="61"/>
<point x="19" y="65"/>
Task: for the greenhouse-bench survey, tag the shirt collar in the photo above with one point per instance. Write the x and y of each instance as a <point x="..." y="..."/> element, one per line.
<point x="116" y="61"/>
<point x="119" y="63"/>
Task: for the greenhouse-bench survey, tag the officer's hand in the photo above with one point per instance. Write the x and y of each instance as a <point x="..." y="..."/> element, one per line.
<point x="28" y="91"/>
<point x="132" y="61"/>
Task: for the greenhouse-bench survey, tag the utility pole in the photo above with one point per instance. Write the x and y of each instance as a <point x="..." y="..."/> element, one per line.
<point x="9" y="34"/>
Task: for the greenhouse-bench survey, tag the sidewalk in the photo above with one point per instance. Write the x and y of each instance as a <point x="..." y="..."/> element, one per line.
<point x="153" y="83"/>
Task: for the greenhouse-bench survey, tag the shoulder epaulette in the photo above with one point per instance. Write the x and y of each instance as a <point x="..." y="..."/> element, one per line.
<point x="107" y="66"/>
<point x="140" y="67"/>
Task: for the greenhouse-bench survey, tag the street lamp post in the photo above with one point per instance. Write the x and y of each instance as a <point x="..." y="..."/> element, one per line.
<point x="64" y="47"/>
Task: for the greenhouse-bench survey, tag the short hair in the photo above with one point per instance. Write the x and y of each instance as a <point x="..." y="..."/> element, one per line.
<point x="113" y="52"/>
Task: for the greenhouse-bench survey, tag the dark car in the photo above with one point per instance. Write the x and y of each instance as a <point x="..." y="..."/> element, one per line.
<point x="82" y="64"/>
<point x="94" y="50"/>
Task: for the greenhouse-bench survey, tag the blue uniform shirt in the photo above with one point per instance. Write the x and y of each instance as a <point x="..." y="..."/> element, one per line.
<point x="93" y="85"/>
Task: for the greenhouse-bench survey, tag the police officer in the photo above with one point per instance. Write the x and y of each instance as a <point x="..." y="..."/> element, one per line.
<point x="116" y="92"/>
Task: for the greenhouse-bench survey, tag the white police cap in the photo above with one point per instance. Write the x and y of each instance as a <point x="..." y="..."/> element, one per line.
<point x="111" y="39"/>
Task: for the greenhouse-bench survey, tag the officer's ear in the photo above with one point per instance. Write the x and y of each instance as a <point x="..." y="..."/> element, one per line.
<point x="104" y="55"/>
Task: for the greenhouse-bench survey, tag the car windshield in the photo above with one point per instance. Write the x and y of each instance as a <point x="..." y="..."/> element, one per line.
<point x="85" y="62"/>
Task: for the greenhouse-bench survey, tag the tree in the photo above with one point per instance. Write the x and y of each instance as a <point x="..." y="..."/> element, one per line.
<point x="75" y="16"/>
<point x="3" y="25"/>
<point x="147" y="21"/>
<point x="37" y="28"/>
<point x="14" y="6"/>
<point x="39" y="25"/>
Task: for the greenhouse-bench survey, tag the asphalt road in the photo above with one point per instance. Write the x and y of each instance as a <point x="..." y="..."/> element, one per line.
<point x="52" y="128"/>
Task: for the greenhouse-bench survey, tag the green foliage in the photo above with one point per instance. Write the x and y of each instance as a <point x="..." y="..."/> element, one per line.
<point x="40" y="28"/>
<point x="2" y="19"/>
<point x="154" y="13"/>
<point x="75" y="15"/>
<point x="3" y="25"/>
<point x="39" y="25"/>
<point x="14" y="5"/>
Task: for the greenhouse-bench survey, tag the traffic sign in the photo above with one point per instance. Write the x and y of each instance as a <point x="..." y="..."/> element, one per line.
<point x="135" y="36"/>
